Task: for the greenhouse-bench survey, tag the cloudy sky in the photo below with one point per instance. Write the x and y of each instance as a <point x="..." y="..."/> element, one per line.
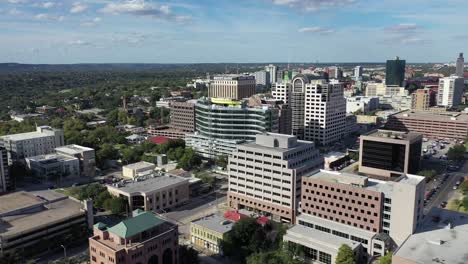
<point x="158" y="31"/>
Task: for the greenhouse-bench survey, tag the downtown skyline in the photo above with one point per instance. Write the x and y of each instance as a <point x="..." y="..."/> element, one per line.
<point x="208" y="31"/>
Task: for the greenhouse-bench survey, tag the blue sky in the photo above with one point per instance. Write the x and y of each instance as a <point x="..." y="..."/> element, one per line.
<point x="99" y="31"/>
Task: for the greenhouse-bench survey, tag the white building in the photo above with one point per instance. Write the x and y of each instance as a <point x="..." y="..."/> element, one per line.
<point x="138" y="169"/>
<point x="43" y="141"/>
<point x="460" y="66"/>
<point x="325" y="112"/>
<point x="52" y="166"/>
<point x="262" y="79"/>
<point x="375" y="89"/>
<point x="86" y="157"/>
<point x="450" y="91"/>
<point x="4" y="176"/>
<point x="266" y="175"/>
<point x="272" y="69"/>
<point x="358" y="72"/>
<point x="281" y="91"/>
<point x="361" y="103"/>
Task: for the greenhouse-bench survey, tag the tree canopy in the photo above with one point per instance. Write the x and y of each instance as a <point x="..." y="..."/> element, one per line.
<point x="456" y="152"/>
<point x="345" y="255"/>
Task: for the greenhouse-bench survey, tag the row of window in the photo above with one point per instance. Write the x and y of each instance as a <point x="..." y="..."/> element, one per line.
<point x="343" y="221"/>
<point x="320" y="186"/>
<point x="335" y="198"/>
<point x="260" y="205"/>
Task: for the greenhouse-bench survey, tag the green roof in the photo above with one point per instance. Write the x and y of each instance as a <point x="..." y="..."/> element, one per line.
<point x="100" y="226"/>
<point x="135" y="225"/>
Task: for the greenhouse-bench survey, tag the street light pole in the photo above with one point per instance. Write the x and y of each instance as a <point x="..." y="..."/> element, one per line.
<point x="64" y="251"/>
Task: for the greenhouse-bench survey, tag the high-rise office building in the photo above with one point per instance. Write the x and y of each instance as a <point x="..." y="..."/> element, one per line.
<point x="370" y="216"/>
<point x="325" y="112"/>
<point x="423" y="99"/>
<point x="358" y="72"/>
<point x="266" y="175"/>
<point x="232" y="86"/>
<point x="386" y="153"/>
<point x="395" y="72"/>
<point x="221" y="124"/>
<point x="4" y="176"/>
<point x="262" y="79"/>
<point x="297" y="103"/>
<point x="272" y="69"/>
<point x="43" y="141"/>
<point x="183" y="116"/>
<point x="284" y="115"/>
<point x="460" y="66"/>
<point x="338" y="73"/>
<point x="450" y="91"/>
<point x="281" y="91"/>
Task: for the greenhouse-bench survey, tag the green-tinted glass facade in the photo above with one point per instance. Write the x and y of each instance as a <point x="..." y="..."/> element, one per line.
<point x="395" y="72"/>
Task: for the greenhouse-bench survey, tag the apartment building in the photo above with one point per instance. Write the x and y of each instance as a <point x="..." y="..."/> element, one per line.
<point x="222" y="124"/>
<point x="363" y="104"/>
<point x="325" y="112"/>
<point x="444" y="125"/>
<point x="153" y="194"/>
<point x="43" y="141"/>
<point x="423" y="99"/>
<point x="142" y="238"/>
<point x="369" y="215"/>
<point x="387" y="153"/>
<point x="86" y="158"/>
<point x="265" y="176"/>
<point x="232" y="86"/>
<point x="27" y="219"/>
<point x="281" y="91"/>
<point x="183" y="116"/>
<point x="450" y="91"/>
<point x="51" y="167"/>
<point x="5" y="183"/>
<point x="209" y="232"/>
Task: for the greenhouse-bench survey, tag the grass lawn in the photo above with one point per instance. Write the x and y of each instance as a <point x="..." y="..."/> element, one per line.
<point x="70" y="191"/>
<point x="455" y="205"/>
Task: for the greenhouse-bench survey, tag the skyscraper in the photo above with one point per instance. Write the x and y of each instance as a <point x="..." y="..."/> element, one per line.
<point x="395" y="72"/>
<point x="272" y="69"/>
<point x="357" y="72"/>
<point x="450" y="91"/>
<point x="460" y="66"/>
<point x="232" y="86"/>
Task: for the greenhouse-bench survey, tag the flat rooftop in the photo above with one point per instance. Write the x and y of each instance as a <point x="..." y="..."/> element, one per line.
<point x="150" y="185"/>
<point x="443" y="238"/>
<point x="28" y="135"/>
<point x="42" y="215"/>
<point x="51" y="158"/>
<point x="18" y="200"/>
<point x="391" y="134"/>
<point x="73" y="149"/>
<point x="216" y="223"/>
<point x="433" y="116"/>
<point x="139" y="165"/>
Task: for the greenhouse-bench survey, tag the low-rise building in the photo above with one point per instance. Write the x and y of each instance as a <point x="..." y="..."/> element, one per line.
<point x="442" y="125"/>
<point x="86" y="157"/>
<point x="135" y="139"/>
<point x="387" y="153"/>
<point x="165" y="131"/>
<point x="153" y="194"/>
<point x="53" y="166"/>
<point x="209" y="232"/>
<point x="138" y="169"/>
<point x="28" y="219"/>
<point x="363" y="104"/>
<point x="142" y="238"/>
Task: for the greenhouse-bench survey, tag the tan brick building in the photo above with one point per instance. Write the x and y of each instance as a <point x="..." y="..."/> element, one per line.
<point x="232" y="86"/>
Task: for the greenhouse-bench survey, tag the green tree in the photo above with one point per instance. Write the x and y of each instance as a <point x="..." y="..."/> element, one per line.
<point x="386" y="259"/>
<point x="106" y="152"/>
<point x="272" y="257"/>
<point x="429" y="174"/>
<point x="345" y="255"/>
<point x="101" y="199"/>
<point x="188" y="255"/>
<point x="456" y="152"/>
<point x="189" y="160"/>
<point x="222" y="161"/>
<point x="117" y="205"/>
<point x="112" y="117"/>
<point x="131" y="154"/>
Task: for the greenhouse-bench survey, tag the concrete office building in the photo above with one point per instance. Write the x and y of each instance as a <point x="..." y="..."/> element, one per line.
<point x="142" y="238"/>
<point x="183" y="116"/>
<point x="442" y="238"/>
<point x="86" y="157"/>
<point x="53" y="166"/>
<point x="386" y="153"/>
<point x="43" y="141"/>
<point x="209" y="232"/>
<point x="284" y="115"/>
<point x="153" y="194"/>
<point x="358" y="72"/>
<point x="460" y="70"/>
<point x="423" y="99"/>
<point x="369" y="215"/>
<point x="396" y="102"/>
<point x="272" y="69"/>
<point x="297" y="103"/>
<point x="445" y="125"/>
<point x="395" y="72"/>
<point x="222" y="124"/>
<point x="325" y="112"/>
<point x="232" y="86"/>
<point x="338" y="73"/>
<point x="262" y="79"/>
<point x="138" y="169"/>
<point x="361" y="103"/>
<point x="29" y="219"/>
<point x="265" y="176"/>
<point x="450" y="91"/>
<point x="281" y="91"/>
<point x="5" y="183"/>
<point x="375" y="89"/>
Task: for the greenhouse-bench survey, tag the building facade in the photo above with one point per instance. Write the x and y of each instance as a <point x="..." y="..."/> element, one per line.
<point x="395" y="72"/>
<point x="143" y="238"/>
<point x="445" y="125"/>
<point x="450" y="91"/>
<point x="209" y="232"/>
<point x="51" y="167"/>
<point x="281" y="91"/>
<point x="183" y="116"/>
<point x="265" y="176"/>
<point x="231" y="86"/>
<point x="5" y="183"/>
<point x="423" y="99"/>
<point x="363" y="104"/>
<point x="262" y="79"/>
<point x="222" y="124"/>
<point x="138" y="169"/>
<point x="86" y="157"/>
<point x="43" y="141"/>
<point x="272" y="69"/>
<point x="386" y="153"/>
<point x="460" y="70"/>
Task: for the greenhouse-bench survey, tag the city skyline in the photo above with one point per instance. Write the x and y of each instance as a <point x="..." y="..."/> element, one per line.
<point x="138" y="31"/>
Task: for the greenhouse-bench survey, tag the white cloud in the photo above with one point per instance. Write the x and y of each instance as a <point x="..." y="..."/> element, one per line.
<point x="43" y="16"/>
<point x="403" y="28"/>
<point x="143" y="8"/>
<point x="318" y="30"/>
<point x="47" y="5"/>
<point x="15" y="12"/>
<point x="78" y="7"/>
<point x="91" y="22"/>
<point x="312" y="5"/>
<point x="17" y="1"/>
<point x="79" y="42"/>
